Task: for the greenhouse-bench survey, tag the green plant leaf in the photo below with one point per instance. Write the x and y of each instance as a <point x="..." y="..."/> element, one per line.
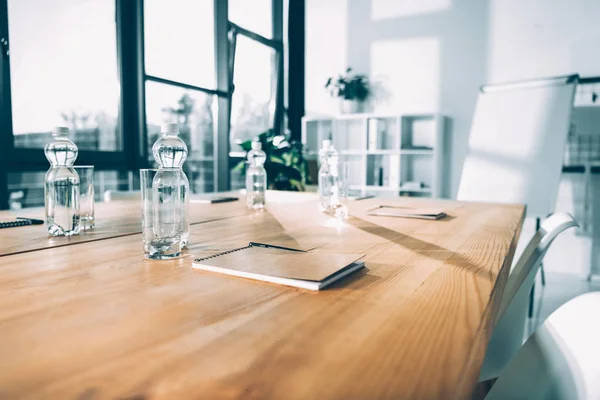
<point x="245" y="145"/>
<point x="286" y="167"/>
<point x="240" y="166"/>
<point x="276" y="159"/>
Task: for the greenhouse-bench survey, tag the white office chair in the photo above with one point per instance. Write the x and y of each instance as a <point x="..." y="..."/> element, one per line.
<point x="508" y="333"/>
<point x="114" y="195"/>
<point x="560" y="361"/>
<point x="517" y="144"/>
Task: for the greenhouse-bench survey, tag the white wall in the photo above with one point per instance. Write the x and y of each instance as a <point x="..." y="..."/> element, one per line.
<point x="533" y="38"/>
<point x="536" y="38"/>
<point x="326" y="51"/>
<point x="432" y="55"/>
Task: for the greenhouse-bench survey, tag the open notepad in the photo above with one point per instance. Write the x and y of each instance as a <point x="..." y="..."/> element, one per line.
<point x="290" y="267"/>
<point x="405" y="212"/>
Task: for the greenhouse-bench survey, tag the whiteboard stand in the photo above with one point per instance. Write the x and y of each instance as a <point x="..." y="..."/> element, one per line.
<point x="517" y="146"/>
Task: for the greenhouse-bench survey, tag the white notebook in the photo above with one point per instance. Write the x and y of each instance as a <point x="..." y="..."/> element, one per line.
<point x="290" y="267"/>
<point x="405" y="212"/>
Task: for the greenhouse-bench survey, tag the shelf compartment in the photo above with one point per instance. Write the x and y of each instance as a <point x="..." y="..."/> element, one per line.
<point x="356" y="169"/>
<point x="420" y="190"/>
<point x="417" y="169"/>
<point x="405" y="148"/>
<point x="349" y="134"/>
<point x="382" y="134"/>
<point x="382" y="170"/>
<point x="418" y="131"/>
<point x="369" y="152"/>
<point x="417" y="152"/>
<point x="409" y="152"/>
<point x="314" y="132"/>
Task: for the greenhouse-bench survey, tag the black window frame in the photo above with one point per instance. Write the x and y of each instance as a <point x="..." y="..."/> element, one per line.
<point x="133" y="154"/>
<point x="277" y="45"/>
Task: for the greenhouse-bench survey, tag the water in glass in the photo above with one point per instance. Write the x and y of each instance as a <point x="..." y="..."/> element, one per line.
<point x="86" y="196"/>
<point x="171" y="186"/>
<point x="156" y="246"/>
<point x="328" y="157"/>
<point x="256" y="178"/>
<point x="61" y="185"/>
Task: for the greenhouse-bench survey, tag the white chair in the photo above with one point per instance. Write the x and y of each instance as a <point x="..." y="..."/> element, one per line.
<point x="114" y="195"/>
<point x="508" y="334"/>
<point x="561" y="360"/>
<point x="517" y="144"/>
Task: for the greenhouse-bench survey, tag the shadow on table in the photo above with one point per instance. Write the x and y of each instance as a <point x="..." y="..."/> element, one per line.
<point x="419" y="246"/>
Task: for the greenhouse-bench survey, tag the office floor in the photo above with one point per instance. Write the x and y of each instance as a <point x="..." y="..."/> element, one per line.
<point x="575" y="254"/>
<point x="559" y="289"/>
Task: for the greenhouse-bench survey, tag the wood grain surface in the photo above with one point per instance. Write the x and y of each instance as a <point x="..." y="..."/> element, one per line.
<point x="96" y="320"/>
<point x="115" y="219"/>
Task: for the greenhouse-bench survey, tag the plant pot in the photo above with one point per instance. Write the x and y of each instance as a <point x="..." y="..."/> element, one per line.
<point x="351" y="106"/>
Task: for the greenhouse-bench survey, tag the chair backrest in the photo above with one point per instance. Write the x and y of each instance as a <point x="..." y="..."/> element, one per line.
<point x="508" y="334"/>
<point x="114" y="195"/>
<point x="517" y="143"/>
<point x="561" y="360"/>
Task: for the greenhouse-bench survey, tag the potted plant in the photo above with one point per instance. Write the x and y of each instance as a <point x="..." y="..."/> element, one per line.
<point x="352" y="89"/>
<point x="285" y="165"/>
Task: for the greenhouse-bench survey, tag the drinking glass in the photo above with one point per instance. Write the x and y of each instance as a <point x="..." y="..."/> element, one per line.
<point x="339" y="190"/>
<point x="86" y="196"/>
<point x="161" y="241"/>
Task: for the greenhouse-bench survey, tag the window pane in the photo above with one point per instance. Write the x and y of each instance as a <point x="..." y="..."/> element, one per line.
<point x="64" y="71"/>
<point x="253" y="77"/>
<point x="112" y="180"/>
<point x="26" y="189"/>
<point x="180" y="41"/>
<point x="195" y="113"/>
<point x="254" y="15"/>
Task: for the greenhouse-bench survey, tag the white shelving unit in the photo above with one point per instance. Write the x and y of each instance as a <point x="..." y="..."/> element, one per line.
<point x="385" y="152"/>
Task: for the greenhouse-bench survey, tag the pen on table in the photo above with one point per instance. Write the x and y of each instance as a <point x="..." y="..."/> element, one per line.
<point x="21" y="221"/>
<point x="32" y="221"/>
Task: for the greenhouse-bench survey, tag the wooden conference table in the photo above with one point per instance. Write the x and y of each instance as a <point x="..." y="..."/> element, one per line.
<point x="94" y="319"/>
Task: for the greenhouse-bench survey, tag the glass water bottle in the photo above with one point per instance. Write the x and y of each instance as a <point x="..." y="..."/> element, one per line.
<point x="61" y="185"/>
<point x="171" y="187"/>
<point x="328" y="157"/>
<point x="256" y="178"/>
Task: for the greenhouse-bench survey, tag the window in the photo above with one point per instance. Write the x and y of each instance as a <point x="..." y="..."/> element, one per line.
<point x="252" y="104"/>
<point x="194" y="111"/>
<point x="180" y="40"/>
<point x="256" y="76"/>
<point x="26" y="189"/>
<point x="63" y="66"/>
<point x="115" y="70"/>
<point x="253" y="15"/>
